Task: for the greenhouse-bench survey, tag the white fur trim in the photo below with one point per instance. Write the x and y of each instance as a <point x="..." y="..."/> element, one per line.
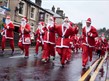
<point x="62" y="46"/>
<point x="7" y="27"/>
<point x="9" y="37"/>
<point x="71" y="42"/>
<point x="39" y="41"/>
<point x="42" y="31"/>
<point x="91" y="34"/>
<point x="2" y="33"/>
<point x="49" y="42"/>
<point x="87" y="45"/>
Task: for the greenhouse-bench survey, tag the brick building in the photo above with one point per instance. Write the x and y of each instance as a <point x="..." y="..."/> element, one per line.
<point x="26" y="8"/>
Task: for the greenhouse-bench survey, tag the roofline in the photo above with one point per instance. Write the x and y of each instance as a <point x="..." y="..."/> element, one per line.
<point x="32" y="3"/>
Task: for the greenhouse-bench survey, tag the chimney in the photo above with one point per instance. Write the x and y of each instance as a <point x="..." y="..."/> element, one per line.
<point x="53" y="8"/>
<point x="59" y="12"/>
<point x="38" y="2"/>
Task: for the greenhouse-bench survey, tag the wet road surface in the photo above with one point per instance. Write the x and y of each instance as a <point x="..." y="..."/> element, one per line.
<point x="17" y="68"/>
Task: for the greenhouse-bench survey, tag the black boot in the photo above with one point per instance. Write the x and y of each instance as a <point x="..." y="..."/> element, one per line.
<point x="12" y="53"/>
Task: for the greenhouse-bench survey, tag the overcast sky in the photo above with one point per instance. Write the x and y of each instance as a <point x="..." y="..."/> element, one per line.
<point x="80" y="10"/>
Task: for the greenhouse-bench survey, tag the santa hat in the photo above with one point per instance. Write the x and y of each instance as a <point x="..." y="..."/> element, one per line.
<point x="25" y="19"/>
<point x="88" y="20"/>
<point x="8" y="17"/>
<point x="41" y="23"/>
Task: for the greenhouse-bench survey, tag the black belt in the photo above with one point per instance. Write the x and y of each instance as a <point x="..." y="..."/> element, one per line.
<point x="49" y="31"/>
<point x="63" y="37"/>
<point x="40" y="34"/>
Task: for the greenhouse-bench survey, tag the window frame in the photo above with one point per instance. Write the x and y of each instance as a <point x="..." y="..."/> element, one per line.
<point x="32" y="30"/>
<point x="7" y="6"/>
<point x="33" y="12"/>
<point x="23" y="9"/>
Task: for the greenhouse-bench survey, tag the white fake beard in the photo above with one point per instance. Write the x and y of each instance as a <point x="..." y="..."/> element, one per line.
<point x="7" y="21"/>
<point x="39" y="26"/>
<point x="50" y="23"/>
<point x="66" y="25"/>
<point x="23" y="23"/>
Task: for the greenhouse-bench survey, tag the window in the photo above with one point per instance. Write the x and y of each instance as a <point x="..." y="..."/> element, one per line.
<point x="21" y="8"/>
<point x="41" y="16"/>
<point x="6" y="3"/>
<point x="32" y="13"/>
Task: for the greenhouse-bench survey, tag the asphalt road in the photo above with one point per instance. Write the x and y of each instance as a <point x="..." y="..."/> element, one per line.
<point x="17" y="68"/>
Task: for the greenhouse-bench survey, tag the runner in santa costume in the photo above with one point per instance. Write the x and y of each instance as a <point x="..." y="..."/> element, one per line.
<point x="39" y="37"/>
<point x="49" y="40"/>
<point x="24" y="40"/>
<point x="64" y="31"/>
<point x="8" y="34"/>
<point x="89" y="33"/>
<point x="104" y="44"/>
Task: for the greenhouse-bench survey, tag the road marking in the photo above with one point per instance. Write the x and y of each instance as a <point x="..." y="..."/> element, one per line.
<point x="19" y="56"/>
<point x="93" y="77"/>
<point x="89" y="71"/>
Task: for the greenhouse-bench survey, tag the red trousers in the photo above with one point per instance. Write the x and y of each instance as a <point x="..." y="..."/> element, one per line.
<point x="24" y="47"/>
<point x="65" y="53"/>
<point x="87" y="52"/>
<point x="48" y="50"/>
<point x="37" y="46"/>
<point x="4" y="43"/>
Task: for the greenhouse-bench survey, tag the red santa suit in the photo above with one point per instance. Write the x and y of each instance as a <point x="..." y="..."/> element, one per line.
<point x="49" y="40"/>
<point x="104" y="45"/>
<point x="64" y="31"/>
<point x="39" y="36"/>
<point x="25" y="39"/>
<point x="88" y="42"/>
<point x="7" y="33"/>
<point x="76" y="43"/>
<point x="108" y="46"/>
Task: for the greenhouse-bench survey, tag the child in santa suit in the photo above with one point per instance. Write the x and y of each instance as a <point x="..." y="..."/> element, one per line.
<point x="25" y="39"/>
<point x="39" y="37"/>
<point x="89" y="33"/>
<point x="8" y="34"/>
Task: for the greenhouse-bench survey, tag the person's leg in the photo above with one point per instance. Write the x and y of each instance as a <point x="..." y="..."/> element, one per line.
<point x="12" y="45"/>
<point x="84" y="55"/>
<point x="21" y="46"/>
<point x="26" y="47"/>
<point x="45" y="54"/>
<point x="3" y="43"/>
<point x="52" y="51"/>
<point x="65" y="52"/>
<point x="37" y="46"/>
<point x="90" y="53"/>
